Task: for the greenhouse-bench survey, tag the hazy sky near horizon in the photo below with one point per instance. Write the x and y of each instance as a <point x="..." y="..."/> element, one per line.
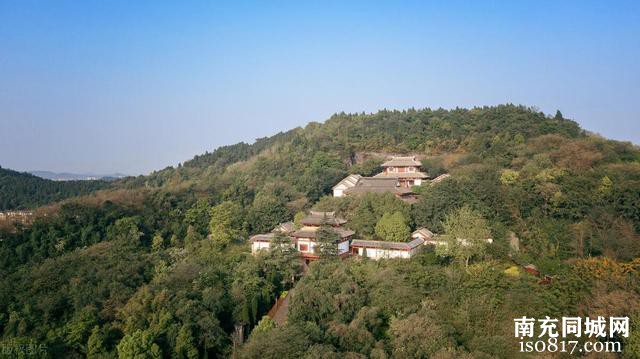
<point x="106" y="86"/>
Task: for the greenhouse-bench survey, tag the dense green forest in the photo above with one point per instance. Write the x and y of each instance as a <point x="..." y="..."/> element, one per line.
<point x="20" y="190"/>
<point x="159" y="266"/>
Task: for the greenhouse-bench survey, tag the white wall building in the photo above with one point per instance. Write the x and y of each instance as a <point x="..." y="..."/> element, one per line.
<point x="304" y="239"/>
<point x="348" y="182"/>
<point x="383" y="250"/>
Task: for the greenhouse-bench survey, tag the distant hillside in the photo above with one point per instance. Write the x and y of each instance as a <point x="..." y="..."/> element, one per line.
<point x="552" y="159"/>
<point x="339" y="143"/>
<point x="65" y="176"/>
<point x="19" y="190"/>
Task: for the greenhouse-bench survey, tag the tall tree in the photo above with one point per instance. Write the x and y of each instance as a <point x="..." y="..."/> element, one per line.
<point x="185" y="347"/>
<point x="393" y="227"/>
<point x="125" y="229"/>
<point x="327" y="242"/>
<point x="466" y="235"/>
<point x="138" y="345"/>
<point x="198" y="216"/>
<point x="558" y="115"/>
<point x="226" y="222"/>
<point x="266" y="212"/>
<point x="282" y="261"/>
<point x="322" y="173"/>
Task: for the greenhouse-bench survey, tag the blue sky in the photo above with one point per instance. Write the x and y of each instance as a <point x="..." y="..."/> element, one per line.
<point x="97" y="86"/>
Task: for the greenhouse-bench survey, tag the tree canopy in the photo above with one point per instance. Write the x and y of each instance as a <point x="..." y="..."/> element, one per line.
<point x="466" y="233"/>
<point x="393" y="227"/>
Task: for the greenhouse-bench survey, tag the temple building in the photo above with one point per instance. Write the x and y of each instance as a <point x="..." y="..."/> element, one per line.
<point x="380" y="185"/>
<point x="263" y="241"/>
<point x="426" y="235"/>
<point x="399" y="175"/>
<point x="404" y="169"/>
<point x="382" y="249"/>
<point x="348" y="182"/>
<point x="429" y="238"/>
<point x="304" y="239"/>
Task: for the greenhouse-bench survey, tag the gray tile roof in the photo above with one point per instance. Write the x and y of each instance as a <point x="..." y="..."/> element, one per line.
<point x="302" y="233"/>
<point x="387" y="245"/>
<point x="397" y="175"/>
<point x="319" y="218"/>
<point x="440" y="178"/>
<point x="423" y="233"/>
<point x="378" y="185"/>
<point x="266" y="237"/>
<point x="348" y="181"/>
<point x="286" y="227"/>
<point x="402" y="161"/>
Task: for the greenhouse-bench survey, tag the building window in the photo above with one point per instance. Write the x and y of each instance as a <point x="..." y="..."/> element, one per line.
<point x="303" y="247"/>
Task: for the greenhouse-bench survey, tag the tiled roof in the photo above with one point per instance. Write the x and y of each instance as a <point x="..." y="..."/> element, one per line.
<point x="266" y="237"/>
<point x="422" y="233"/>
<point x="322" y="214"/>
<point x="349" y="181"/>
<point x="377" y="182"/>
<point x="319" y="218"/>
<point x="311" y="232"/>
<point x="387" y="245"/>
<point x="286" y="227"/>
<point x="402" y="161"/>
<point x="441" y="240"/>
<point x="440" y="178"/>
<point x="394" y="190"/>
<point x="378" y="185"/>
<point x="397" y="175"/>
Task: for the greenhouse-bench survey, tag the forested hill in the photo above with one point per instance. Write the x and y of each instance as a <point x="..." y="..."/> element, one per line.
<point x="160" y="266"/>
<point x="482" y="132"/>
<point x="20" y="190"/>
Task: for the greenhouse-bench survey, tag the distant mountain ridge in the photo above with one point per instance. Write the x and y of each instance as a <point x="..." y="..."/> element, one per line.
<point x="66" y="176"/>
<point x="21" y="190"/>
<point x="341" y="141"/>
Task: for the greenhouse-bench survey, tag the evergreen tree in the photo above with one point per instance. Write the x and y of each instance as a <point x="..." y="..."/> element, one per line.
<point x="96" y="346"/>
<point x="267" y="212"/>
<point x="327" y="242"/>
<point x="283" y="259"/>
<point x="466" y="234"/>
<point x="138" y="345"/>
<point x="198" y="216"/>
<point x="157" y="243"/>
<point x="558" y="115"/>
<point x="226" y="222"/>
<point x="264" y="325"/>
<point x="392" y="227"/>
<point x="193" y="236"/>
<point x="185" y="347"/>
<point x="125" y="230"/>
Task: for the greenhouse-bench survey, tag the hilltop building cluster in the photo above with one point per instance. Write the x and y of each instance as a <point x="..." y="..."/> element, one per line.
<point x="304" y="239"/>
<point x="398" y="176"/>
